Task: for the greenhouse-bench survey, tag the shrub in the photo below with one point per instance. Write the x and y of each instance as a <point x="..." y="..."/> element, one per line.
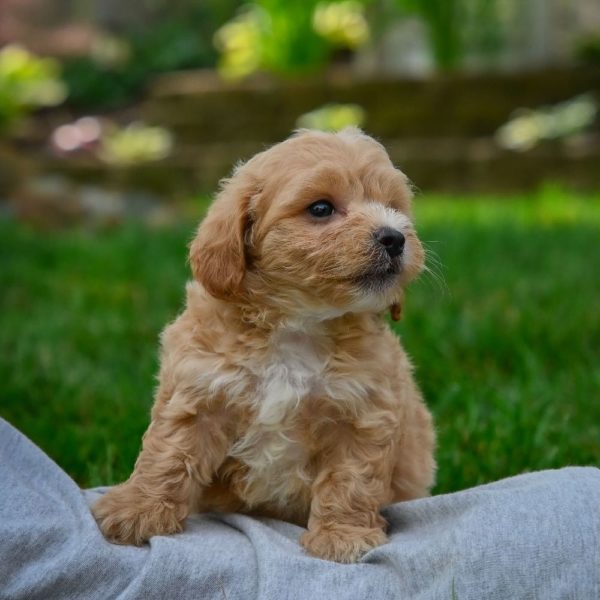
<point x="26" y="82"/>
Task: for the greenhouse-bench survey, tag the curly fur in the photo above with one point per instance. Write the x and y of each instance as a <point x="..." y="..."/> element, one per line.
<point x="282" y="390"/>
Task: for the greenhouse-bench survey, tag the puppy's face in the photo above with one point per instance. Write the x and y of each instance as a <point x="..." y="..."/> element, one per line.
<point x="320" y="222"/>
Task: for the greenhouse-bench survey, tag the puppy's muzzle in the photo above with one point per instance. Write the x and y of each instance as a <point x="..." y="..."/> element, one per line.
<point x="391" y="239"/>
<point x="388" y="244"/>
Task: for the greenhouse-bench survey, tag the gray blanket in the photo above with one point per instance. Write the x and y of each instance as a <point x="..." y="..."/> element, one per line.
<point x="534" y="536"/>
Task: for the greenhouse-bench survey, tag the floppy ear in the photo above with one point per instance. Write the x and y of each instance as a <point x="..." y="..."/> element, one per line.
<point x="217" y="253"/>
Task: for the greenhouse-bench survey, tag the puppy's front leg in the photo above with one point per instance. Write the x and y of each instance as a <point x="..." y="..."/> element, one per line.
<point x="353" y="484"/>
<point x="181" y="451"/>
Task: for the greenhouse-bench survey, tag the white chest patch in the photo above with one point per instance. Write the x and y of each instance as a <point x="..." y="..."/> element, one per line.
<point x="275" y="459"/>
<point x="288" y="376"/>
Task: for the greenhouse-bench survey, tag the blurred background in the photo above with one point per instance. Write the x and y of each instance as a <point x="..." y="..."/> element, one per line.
<point x="118" y="119"/>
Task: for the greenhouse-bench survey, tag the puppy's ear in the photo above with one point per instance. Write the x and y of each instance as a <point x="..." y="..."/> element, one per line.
<point x="217" y="253"/>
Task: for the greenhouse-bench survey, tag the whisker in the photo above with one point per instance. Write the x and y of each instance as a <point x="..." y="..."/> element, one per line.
<point x="434" y="269"/>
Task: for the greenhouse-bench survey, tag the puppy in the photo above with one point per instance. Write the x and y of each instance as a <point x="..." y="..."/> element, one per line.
<point x="282" y="391"/>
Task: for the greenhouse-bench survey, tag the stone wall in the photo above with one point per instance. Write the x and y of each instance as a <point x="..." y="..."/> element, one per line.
<point x="439" y="131"/>
<point x="200" y="108"/>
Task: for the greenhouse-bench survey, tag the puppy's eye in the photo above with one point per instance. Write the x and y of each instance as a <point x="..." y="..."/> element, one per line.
<point x="321" y="209"/>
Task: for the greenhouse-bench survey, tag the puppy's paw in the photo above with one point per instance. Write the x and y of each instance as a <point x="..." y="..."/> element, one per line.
<point x="342" y="543"/>
<point x="126" y="517"/>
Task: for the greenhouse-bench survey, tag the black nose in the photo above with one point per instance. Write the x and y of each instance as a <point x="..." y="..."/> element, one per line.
<point x="391" y="239"/>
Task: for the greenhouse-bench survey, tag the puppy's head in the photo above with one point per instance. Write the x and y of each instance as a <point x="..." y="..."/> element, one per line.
<point x="318" y="225"/>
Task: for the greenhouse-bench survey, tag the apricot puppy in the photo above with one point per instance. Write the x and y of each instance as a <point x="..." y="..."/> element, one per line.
<point x="282" y="390"/>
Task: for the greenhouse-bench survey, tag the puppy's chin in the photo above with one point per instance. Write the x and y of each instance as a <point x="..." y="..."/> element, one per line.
<point x="376" y="290"/>
<point x="370" y="292"/>
<point x="380" y="277"/>
<point x="381" y="285"/>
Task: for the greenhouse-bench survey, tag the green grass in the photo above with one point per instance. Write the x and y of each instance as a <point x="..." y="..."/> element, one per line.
<point x="506" y="349"/>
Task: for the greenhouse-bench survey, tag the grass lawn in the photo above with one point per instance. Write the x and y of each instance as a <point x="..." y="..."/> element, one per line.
<point x="506" y="348"/>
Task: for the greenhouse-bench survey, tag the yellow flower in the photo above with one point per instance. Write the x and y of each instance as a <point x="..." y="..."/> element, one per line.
<point x="341" y="23"/>
<point x="239" y="42"/>
<point x="136" y="143"/>
<point x="332" y="117"/>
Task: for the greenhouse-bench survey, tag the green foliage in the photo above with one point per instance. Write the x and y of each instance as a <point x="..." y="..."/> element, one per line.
<point x="287" y="37"/>
<point x="175" y="43"/>
<point x="587" y="49"/>
<point x="455" y="26"/>
<point x="26" y="82"/>
<point x="443" y="21"/>
<point x="505" y="351"/>
<point x="291" y="43"/>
